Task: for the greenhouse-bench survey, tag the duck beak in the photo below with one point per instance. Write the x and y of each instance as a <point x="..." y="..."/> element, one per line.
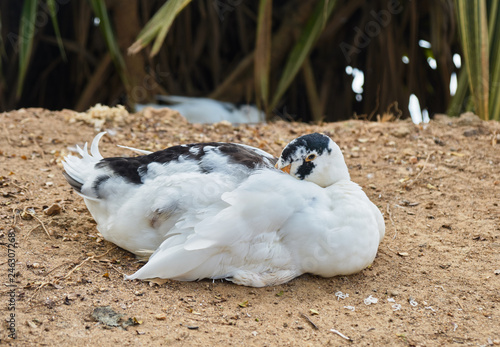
<point x="285" y="169"/>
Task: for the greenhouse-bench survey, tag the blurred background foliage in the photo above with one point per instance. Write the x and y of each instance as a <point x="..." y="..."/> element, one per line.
<point x="304" y="60"/>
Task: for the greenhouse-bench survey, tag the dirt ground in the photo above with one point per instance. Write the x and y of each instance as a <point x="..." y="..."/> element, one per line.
<point x="436" y="277"/>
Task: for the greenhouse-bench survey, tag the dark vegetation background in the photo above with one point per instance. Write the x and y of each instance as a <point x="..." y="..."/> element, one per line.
<point x="209" y="51"/>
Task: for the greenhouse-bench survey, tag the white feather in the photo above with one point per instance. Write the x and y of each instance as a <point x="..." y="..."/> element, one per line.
<point x="138" y="151"/>
<point x="81" y="168"/>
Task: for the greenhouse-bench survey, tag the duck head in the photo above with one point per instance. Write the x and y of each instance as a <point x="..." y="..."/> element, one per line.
<point x="314" y="158"/>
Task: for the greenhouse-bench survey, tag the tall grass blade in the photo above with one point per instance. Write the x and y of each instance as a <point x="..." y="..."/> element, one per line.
<point x="53" y="16"/>
<point x="457" y="101"/>
<point x="157" y="28"/>
<point x="99" y="8"/>
<point x="26" y="35"/>
<point x="312" y="92"/>
<point x="472" y="22"/>
<point x="494" y="32"/>
<point x="262" y="62"/>
<point x="301" y="50"/>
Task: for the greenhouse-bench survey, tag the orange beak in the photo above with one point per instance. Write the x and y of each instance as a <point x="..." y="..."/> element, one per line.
<point x="285" y="169"/>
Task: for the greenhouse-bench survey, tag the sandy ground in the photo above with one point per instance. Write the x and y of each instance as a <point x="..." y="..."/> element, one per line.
<point x="436" y="277"/>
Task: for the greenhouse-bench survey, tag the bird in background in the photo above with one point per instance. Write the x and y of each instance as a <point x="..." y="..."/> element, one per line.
<point x="208" y="111"/>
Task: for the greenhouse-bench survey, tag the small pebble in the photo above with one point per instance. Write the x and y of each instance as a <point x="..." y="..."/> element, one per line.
<point x="393" y="293"/>
<point x="161" y="316"/>
<point x="53" y="209"/>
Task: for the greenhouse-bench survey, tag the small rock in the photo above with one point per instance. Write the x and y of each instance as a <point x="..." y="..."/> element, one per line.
<point x="400" y="132"/>
<point x="161" y="316"/>
<point x="439" y="142"/>
<point x="471" y="132"/>
<point x="497" y="272"/>
<point x="394" y="293"/>
<point x="107" y="316"/>
<point x="53" y="209"/>
<point x="408" y="152"/>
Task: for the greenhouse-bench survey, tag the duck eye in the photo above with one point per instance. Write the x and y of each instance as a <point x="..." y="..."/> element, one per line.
<point x="311" y="157"/>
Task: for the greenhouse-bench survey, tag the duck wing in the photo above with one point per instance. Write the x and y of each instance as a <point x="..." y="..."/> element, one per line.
<point x="241" y="237"/>
<point x="136" y="200"/>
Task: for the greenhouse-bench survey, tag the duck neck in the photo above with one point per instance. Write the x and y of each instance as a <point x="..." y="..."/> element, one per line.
<point x="338" y="173"/>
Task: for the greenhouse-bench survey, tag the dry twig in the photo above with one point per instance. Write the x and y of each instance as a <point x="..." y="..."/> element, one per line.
<point x="309" y="320"/>
<point x="114" y="268"/>
<point x="41" y="224"/>
<point x="423" y="168"/>
<point x="70" y="271"/>
<point x="40" y="148"/>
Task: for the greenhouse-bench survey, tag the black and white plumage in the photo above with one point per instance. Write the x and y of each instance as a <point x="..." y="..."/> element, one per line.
<point x="219" y="210"/>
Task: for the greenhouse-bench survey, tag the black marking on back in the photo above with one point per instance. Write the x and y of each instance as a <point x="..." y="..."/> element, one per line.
<point x="245" y="156"/>
<point x="133" y="169"/>
<point x="312" y="142"/>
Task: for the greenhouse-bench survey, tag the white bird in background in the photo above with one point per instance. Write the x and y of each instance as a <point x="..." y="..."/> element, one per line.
<point x="205" y="110"/>
<point x="223" y="211"/>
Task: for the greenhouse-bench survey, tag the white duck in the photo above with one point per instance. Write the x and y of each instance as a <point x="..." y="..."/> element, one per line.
<point x="219" y="210"/>
<point x="208" y="111"/>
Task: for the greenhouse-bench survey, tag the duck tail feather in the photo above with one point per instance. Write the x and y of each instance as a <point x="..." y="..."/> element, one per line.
<point x="77" y="170"/>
